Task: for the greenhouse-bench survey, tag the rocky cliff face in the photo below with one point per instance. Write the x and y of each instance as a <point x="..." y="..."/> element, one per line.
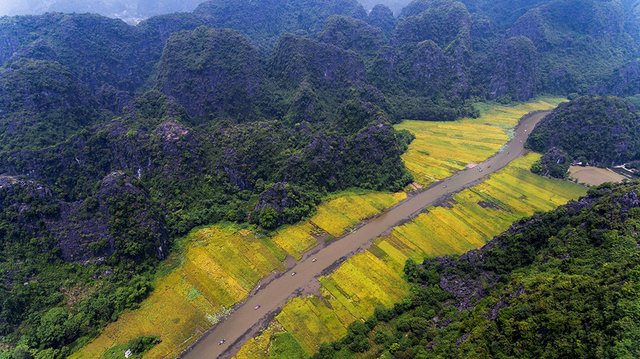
<point x="106" y="54"/>
<point x="382" y="17"/>
<point x="428" y="70"/>
<point x="297" y="59"/>
<point x="556" y="21"/>
<point x="352" y="34"/>
<point x="169" y="150"/>
<point x="42" y="103"/>
<point x="89" y="230"/>
<point x="624" y="81"/>
<point x="318" y="77"/>
<point x="111" y="54"/>
<point x="515" y="72"/>
<point x="94" y="228"/>
<point x="578" y="33"/>
<point x="212" y="73"/>
<point x="18" y="32"/>
<point x="114" y="60"/>
<point x="39" y="86"/>
<point x="436" y="45"/>
<point x="446" y="22"/>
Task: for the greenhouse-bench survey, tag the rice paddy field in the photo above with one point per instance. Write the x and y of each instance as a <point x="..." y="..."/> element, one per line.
<point x="443" y="148"/>
<point x="374" y="277"/>
<point x="216" y="267"/>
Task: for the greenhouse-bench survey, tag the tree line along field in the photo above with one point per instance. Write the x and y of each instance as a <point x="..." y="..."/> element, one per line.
<point x="214" y="268"/>
<point x="374" y="277"/>
<point x="443" y="148"/>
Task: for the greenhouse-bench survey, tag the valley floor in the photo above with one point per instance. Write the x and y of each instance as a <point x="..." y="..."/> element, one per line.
<point x="217" y="267"/>
<point x="374" y="277"/>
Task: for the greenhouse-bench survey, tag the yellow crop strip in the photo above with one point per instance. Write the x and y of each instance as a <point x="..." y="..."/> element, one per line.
<point x="443" y="148"/>
<point x="357" y="287"/>
<point x="374" y="277"/>
<point x="218" y="266"/>
<point x="349" y="209"/>
<point x="259" y="346"/>
<point x="186" y="301"/>
<point x="296" y="239"/>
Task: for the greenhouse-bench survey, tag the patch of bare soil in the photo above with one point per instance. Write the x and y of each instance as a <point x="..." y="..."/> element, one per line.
<point x="594" y="176"/>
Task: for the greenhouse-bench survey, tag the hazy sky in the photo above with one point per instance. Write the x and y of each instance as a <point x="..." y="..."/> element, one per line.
<point x="130" y="8"/>
<point x="11" y="7"/>
<point x="395" y="5"/>
<point x="113" y="8"/>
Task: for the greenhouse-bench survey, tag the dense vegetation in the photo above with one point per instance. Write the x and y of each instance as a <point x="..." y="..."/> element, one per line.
<point x="554" y="163"/>
<point x="558" y="285"/>
<point x="116" y="139"/>
<point x="94" y="227"/>
<point x="428" y="64"/>
<point x="601" y="131"/>
<point x="212" y="74"/>
<point x="49" y="96"/>
<point x="51" y="295"/>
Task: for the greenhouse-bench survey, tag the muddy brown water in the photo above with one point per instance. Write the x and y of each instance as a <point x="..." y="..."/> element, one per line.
<point x="245" y="320"/>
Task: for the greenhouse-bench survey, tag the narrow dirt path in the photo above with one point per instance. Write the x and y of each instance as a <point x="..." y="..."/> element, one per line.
<point x="259" y="308"/>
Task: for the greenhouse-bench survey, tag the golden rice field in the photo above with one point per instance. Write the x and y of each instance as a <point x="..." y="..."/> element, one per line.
<point x="347" y="210"/>
<point x="443" y="148"/>
<point x="373" y="277"/>
<point x="334" y="217"/>
<point x="217" y="267"/>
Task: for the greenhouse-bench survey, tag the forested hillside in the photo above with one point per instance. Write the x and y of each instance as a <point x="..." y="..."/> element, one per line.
<point x="602" y="131"/>
<point x="117" y="139"/>
<point x="558" y="285"/>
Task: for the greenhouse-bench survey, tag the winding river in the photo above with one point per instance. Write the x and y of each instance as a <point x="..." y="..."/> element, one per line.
<point x="245" y="320"/>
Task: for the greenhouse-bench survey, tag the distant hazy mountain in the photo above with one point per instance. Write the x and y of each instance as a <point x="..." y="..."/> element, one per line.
<point x="128" y="10"/>
<point x="394" y="5"/>
<point x="133" y="10"/>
